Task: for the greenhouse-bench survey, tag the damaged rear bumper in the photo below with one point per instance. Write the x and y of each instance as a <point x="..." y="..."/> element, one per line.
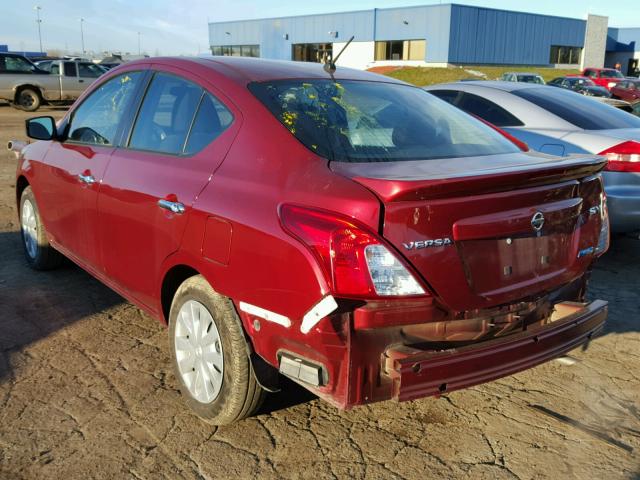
<point x="416" y="373"/>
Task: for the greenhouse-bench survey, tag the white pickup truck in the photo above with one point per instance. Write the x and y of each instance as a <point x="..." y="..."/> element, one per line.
<point x="27" y="85"/>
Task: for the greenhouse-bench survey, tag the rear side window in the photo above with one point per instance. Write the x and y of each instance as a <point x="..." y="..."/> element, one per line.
<point x="211" y="120"/>
<point x="70" y="69"/>
<point x="581" y="111"/>
<point x="480" y="107"/>
<point x="166" y="115"/>
<point x="97" y="118"/>
<point x="356" y="121"/>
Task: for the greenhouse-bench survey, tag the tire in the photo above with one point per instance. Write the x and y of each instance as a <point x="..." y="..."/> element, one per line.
<point x="219" y="358"/>
<point x="39" y="253"/>
<point x="28" y="99"/>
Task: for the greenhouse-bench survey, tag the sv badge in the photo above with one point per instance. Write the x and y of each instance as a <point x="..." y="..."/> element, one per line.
<point x="436" y="242"/>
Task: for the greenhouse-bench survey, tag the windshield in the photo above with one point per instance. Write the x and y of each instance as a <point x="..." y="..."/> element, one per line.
<point x="355" y="121"/>
<point x="581" y="111"/>
<point x="531" y="79"/>
<point x="611" y="74"/>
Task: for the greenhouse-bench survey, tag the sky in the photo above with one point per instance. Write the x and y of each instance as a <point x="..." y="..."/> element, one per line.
<point x="173" y="27"/>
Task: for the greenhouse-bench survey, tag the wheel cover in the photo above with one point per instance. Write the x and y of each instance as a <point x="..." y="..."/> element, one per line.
<point x="26" y="99"/>
<point x="29" y="229"/>
<point x="199" y="351"/>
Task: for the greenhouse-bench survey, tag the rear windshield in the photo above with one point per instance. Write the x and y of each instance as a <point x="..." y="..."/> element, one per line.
<point x="581" y="111"/>
<point x="530" y="79"/>
<point x="355" y="121"/>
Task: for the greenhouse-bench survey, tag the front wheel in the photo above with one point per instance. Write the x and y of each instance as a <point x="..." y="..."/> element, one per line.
<point x="210" y="355"/>
<point x="28" y="99"/>
<point x="39" y="253"/>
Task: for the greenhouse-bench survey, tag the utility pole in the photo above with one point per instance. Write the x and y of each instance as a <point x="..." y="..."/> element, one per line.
<point x="37" y="8"/>
<point x="139" y="34"/>
<point x="82" y="34"/>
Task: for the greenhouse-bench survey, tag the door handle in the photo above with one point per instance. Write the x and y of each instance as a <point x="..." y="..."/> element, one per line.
<point x="81" y="81"/>
<point x="87" y="178"/>
<point x="175" y="207"/>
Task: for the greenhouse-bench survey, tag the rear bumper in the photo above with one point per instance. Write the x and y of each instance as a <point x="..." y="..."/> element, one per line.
<point x="420" y="373"/>
<point x="623" y="200"/>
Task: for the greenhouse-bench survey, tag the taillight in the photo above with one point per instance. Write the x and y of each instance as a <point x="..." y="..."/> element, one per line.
<point x="356" y="262"/>
<point x="624" y="157"/>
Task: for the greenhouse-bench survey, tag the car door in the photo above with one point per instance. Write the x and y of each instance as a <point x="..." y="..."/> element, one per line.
<point x="180" y="135"/>
<point x="75" y="167"/>
<point x="87" y="74"/>
<point x="69" y="80"/>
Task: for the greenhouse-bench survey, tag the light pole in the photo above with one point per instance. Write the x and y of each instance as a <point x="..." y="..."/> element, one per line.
<point x="82" y="34"/>
<point x="139" y="34"/>
<point x="37" y="8"/>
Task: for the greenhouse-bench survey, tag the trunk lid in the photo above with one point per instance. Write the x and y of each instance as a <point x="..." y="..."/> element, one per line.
<point x="485" y="231"/>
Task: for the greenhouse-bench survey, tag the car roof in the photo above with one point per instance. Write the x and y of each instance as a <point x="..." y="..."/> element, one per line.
<point x="495" y="84"/>
<point x="249" y="69"/>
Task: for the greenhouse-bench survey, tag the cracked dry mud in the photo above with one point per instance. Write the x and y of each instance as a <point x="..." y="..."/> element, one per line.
<point x="86" y="392"/>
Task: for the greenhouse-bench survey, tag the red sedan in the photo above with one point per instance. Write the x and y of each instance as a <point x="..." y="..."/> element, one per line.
<point x="347" y="230"/>
<point x="627" y="90"/>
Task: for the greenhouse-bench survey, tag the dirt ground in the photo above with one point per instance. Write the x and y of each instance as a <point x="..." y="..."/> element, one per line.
<point x="86" y="392"/>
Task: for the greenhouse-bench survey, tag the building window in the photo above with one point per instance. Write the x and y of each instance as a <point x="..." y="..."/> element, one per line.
<point x="312" y="52"/>
<point x="401" y="50"/>
<point x="565" y="55"/>
<point x="236" y="50"/>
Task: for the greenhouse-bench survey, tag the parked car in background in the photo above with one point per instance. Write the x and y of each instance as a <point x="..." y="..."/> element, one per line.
<point x="399" y="249"/>
<point x="635" y="109"/>
<point x="582" y="85"/>
<point x="27" y="85"/>
<point x="627" y="89"/>
<point x="605" y="77"/>
<point x="522" y="77"/>
<point x="560" y="122"/>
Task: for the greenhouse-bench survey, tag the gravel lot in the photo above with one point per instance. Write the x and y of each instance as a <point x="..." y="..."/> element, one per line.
<point x="86" y="392"/>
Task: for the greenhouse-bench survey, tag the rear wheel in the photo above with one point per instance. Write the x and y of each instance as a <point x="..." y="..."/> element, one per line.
<point x="39" y="253"/>
<point x="210" y="355"/>
<point x="28" y="99"/>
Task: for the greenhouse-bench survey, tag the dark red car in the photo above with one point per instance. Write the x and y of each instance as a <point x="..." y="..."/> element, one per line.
<point x="627" y="90"/>
<point x="605" y="77"/>
<point x="347" y="230"/>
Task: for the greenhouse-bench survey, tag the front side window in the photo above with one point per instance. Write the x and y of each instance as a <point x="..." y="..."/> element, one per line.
<point x="96" y="120"/>
<point x="354" y="121"/>
<point x="166" y="114"/>
<point x="581" y="111"/>
<point x="89" y="70"/>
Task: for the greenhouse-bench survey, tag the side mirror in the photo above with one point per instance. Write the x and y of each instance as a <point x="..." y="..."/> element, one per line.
<point x="41" y="128"/>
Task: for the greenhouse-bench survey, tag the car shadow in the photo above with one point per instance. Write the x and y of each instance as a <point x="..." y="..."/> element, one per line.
<point x="34" y="305"/>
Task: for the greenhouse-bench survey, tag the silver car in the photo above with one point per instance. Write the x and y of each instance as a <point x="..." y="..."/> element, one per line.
<point x="561" y="122"/>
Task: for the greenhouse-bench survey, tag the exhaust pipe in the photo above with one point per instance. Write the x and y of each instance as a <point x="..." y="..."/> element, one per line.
<point x="16" y="147"/>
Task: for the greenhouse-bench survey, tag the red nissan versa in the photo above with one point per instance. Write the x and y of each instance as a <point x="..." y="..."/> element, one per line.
<point x="349" y="231"/>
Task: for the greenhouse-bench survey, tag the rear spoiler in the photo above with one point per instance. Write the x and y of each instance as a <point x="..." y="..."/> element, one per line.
<point x="386" y="178"/>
